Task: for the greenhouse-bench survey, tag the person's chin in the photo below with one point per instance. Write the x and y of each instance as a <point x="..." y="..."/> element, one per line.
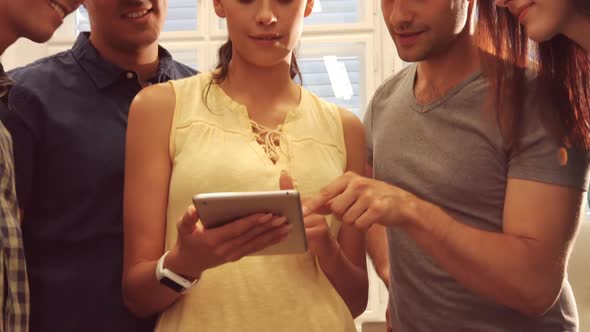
<point x="141" y="41"/>
<point x="148" y="35"/>
<point x="407" y="53"/>
<point x="409" y="56"/>
<point x="41" y="34"/>
<point x="540" y="35"/>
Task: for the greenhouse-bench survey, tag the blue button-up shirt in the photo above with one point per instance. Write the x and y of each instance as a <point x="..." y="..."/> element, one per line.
<point x="68" y="125"/>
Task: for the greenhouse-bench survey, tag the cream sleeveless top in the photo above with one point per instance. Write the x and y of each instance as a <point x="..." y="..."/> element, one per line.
<point x="213" y="147"/>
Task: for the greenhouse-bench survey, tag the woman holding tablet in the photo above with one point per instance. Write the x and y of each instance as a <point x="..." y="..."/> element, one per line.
<point x="246" y="126"/>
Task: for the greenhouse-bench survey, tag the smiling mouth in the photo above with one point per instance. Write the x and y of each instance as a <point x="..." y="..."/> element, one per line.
<point x="409" y="34"/>
<point x="407" y="37"/>
<point x="520" y="14"/>
<point x="137" y="14"/>
<point x="61" y="10"/>
<point x="265" y="37"/>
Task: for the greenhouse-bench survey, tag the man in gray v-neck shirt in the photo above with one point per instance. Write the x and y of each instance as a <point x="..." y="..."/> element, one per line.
<point x="444" y="153"/>
<point x="478" y="234"/>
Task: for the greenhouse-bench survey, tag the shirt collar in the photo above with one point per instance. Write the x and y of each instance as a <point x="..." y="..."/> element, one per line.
<point x="5" y="83"/>
<point x="104" y="73"/>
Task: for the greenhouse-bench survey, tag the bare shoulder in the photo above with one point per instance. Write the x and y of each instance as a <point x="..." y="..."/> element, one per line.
<point x="157" y="100"/>
<point x="354" y="138"/>
<point x="152" y="112"/>
<point x="352" y="125"/>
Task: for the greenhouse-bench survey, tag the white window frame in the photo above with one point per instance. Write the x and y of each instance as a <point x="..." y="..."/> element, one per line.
<point x="312" y="46"/>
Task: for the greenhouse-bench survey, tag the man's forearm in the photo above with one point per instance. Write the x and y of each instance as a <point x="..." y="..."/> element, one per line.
<point x="510" y="270"/>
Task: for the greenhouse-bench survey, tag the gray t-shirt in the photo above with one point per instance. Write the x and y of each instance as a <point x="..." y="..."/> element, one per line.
<point x="450" y="154"/>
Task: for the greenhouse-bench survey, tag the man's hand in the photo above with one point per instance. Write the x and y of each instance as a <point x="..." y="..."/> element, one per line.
<point x="362" y="202"/>
<point x="319" y="239"/>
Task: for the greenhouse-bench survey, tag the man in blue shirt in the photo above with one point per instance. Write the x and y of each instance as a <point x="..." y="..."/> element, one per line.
<point x="68" y="125"/>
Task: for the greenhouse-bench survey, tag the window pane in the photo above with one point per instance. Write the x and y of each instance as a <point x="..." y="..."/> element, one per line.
<point x="336" y="79"/>
<point x="182" y="16"/>
<point x="188" y="57"/>
<point x="334" y="12"/>
<point x="328" y="12"/>
<point x="82" y="23"/>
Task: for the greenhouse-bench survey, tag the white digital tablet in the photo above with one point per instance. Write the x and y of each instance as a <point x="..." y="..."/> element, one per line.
<point x="217" y="209"/>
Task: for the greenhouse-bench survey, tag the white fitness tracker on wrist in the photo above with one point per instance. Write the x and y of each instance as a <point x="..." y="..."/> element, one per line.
<point x="170" y="279"/>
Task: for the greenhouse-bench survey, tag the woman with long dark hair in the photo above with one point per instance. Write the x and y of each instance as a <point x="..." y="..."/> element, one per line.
<point x="545" y="20"/>
<point x="537" y="60"/>
<point x="551" y="38"/>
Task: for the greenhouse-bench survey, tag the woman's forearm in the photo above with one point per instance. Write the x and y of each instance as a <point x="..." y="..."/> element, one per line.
<point x="143" y="294"/>
<point x="349" y="280"/>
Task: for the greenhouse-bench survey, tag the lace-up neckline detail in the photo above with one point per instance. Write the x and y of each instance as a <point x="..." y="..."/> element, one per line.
<point x="269" y="139"/>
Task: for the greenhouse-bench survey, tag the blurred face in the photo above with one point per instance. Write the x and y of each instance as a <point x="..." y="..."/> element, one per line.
<point x="127" y="24"/>
<point x="36" y="20"/>
<point x="542" y="19"/>
<point x="422" y="29"/>
<point x="264" y="32"/>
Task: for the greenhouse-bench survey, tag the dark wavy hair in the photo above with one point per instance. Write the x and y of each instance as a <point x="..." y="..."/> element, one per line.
<point x="562" y="70"/>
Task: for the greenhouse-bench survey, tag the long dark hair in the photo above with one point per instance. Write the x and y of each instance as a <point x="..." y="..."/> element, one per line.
<point x="225" y="54"/>
<point x="562" y="70"/>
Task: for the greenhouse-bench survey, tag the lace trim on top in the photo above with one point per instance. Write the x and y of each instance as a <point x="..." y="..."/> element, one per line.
<point x="269" y="139"/>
